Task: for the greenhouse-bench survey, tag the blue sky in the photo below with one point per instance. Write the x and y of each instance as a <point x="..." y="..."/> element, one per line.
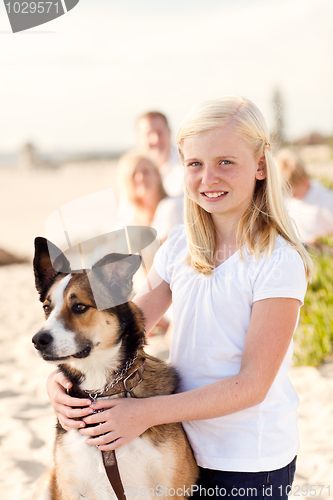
<point x="80" y="81"/>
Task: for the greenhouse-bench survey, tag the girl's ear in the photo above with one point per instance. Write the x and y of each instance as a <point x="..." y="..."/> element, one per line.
<point x="261" y="172"/>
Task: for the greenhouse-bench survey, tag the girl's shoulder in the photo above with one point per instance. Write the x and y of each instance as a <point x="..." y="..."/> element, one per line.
<point x="280" y="274"/>
<point x="177" y="236"/>
<point x="283" y="247"/>
<point x="283" y="260"/>
<point x="172" y="252"/>
<point x="282" y="250"/>
<point x="283" y="256"/>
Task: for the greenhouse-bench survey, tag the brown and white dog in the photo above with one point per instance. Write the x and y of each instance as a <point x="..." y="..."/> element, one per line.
<point x="93" y="347"/>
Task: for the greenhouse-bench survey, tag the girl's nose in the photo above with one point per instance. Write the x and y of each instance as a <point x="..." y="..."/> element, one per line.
<point x="210" y="176"/>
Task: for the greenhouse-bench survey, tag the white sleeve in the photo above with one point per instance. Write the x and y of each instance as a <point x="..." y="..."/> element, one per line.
<point x="164" y="254"/>
<point x="169" y="213"/>
<point x="283" y="275"/>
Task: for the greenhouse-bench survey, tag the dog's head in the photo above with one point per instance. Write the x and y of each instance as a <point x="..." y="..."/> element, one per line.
<point x="76" y="323"/>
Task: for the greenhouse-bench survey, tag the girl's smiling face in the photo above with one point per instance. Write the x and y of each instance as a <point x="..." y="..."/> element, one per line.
<point x="221" y="172"/>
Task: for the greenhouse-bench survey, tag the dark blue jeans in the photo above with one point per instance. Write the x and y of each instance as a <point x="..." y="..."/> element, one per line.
<point x="270" y="485"/>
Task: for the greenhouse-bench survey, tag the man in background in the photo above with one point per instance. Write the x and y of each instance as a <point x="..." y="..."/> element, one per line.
<point x="311" y="204"/>
<point x="154" y="139"/>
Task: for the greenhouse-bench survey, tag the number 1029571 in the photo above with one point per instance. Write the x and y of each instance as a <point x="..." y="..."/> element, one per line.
<point x="32" y="7"/>
<point x="313" y="490"/>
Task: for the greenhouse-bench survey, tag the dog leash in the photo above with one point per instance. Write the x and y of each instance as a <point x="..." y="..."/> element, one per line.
<point x="109" y="457"/>
<point x="125" y="385"/>
<point x="112" y="471"/>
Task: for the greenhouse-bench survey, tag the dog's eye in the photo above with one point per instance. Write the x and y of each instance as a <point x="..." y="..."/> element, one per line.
<point x="79" y="308"/>
<point x="47" y="309"/>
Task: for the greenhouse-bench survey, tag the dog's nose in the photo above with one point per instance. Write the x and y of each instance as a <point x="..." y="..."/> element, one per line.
<point x="42" y="340"/>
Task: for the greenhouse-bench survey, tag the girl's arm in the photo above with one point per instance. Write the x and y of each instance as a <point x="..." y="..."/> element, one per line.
<point x="269" y="335"/>
<point x="154" y="304"/>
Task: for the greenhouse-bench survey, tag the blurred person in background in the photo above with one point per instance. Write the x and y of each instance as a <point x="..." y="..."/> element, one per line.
<point x="310" y="204"/>
<point x="154" y="139"/>
<point x="143" y="200"/>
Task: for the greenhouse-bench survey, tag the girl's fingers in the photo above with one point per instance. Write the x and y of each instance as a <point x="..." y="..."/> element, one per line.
<point x="107" y="403"/>
<point x="63" y="381"/>
<point x="97" y="418"/>
<point x="69" y="412"/>
<point x="67" y="400"/>
<point x="66" y="407"/>
<point x="68" y="423"/>
<point x="57" y="395"/>
<point x="113" y="445"/>
<point x="98" y="430"/>
<point x="107" y="439"/>
<point x="57" y="378"/>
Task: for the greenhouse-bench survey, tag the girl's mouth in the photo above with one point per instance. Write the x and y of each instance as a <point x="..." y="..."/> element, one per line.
<point x="215" y="194"/>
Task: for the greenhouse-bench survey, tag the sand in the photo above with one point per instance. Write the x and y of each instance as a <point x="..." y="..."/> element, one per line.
<point x="27" y="419"/>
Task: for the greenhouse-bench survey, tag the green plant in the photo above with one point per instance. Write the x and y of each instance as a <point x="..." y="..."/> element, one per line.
<point x="326" y="181"/>
<point x="314" y="335"/>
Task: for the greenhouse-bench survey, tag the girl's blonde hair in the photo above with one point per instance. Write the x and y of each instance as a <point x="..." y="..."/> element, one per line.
<point x="266" y="217"/>
<point x="126" y="168"/>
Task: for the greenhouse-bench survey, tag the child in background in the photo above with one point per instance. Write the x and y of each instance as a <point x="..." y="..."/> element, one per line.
<point x="311" y="204"/>
<point x="236" y="273"/>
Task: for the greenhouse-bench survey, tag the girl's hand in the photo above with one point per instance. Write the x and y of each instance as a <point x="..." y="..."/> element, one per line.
<point x="63" y="404"/>
<point x="122" y="420"/>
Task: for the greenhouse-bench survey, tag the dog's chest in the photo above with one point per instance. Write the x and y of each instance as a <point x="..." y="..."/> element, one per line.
<point x="142" y="466"/>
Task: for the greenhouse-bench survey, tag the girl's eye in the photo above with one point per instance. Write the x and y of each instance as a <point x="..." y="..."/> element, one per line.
<point x="79" y="308"/>
<point x="194" y="164"/>
<point x="47" y="309"/>
<point x="225" y="162"/>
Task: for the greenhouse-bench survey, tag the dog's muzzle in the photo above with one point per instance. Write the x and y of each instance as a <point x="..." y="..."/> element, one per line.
<point x="45" y="343"/>
<point x="42" y="340"/>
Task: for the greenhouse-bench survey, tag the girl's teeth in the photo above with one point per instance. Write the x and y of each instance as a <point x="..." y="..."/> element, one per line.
<point x="214" y="195"/>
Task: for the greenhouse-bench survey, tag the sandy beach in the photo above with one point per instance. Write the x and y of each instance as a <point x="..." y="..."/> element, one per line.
<point x="27" y="419"/>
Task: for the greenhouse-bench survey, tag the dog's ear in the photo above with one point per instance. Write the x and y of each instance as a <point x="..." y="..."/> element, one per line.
<point x="119" y="266"/>
<point x="111" y="279"/>
<point x="48" y="261"/>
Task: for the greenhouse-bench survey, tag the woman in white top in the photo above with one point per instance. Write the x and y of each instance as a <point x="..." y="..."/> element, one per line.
<point x="237" y="276"/>
<point x="143" y="200"/>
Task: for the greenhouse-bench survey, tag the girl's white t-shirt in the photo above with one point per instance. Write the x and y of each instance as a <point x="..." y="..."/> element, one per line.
<point x="211" y="318"/>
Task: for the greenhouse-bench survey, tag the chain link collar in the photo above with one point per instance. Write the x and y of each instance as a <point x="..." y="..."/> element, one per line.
<point x="119" y="375"/>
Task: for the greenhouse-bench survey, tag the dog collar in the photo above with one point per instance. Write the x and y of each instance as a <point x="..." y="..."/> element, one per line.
<point x="120" y="383"/>
<point x="123" y="385"/>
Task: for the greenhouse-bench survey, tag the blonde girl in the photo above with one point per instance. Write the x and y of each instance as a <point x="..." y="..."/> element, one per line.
<point x="236" y="274"/>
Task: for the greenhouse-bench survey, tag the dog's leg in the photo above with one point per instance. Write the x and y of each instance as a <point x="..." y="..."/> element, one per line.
<point x="79" y="469"/>
<point x="42" y="487"/>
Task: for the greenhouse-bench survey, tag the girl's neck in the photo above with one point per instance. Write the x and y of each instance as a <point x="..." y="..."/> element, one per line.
<point x="226" y="228"/>
<point x="226" y="231"/>
<point x="225" y="249"/>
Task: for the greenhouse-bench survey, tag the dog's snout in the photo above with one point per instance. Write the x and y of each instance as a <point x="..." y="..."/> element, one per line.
<point x="42" y="340"/>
